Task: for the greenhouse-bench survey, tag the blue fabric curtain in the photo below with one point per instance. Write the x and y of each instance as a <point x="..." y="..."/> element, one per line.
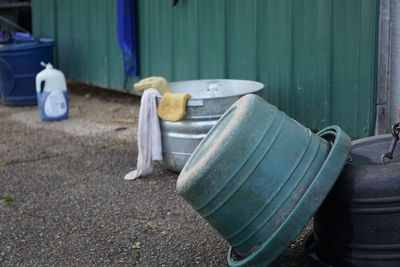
<point x="126" y="23"/>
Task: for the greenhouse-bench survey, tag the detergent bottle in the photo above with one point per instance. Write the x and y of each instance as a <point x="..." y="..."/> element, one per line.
<point x="52" y="95"/>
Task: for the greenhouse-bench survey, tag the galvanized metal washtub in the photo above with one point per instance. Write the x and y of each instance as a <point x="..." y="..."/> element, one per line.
<point x="359" y="222"/>
<point x="210" y="99"/>
<point x="259" y="176"/>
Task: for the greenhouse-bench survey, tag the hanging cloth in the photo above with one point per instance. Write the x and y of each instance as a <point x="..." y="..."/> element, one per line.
<point x="149" y="135"/>
<point x="126" y="24"/>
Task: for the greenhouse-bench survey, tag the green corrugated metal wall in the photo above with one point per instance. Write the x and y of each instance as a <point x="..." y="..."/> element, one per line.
<point x="316" y="57"/>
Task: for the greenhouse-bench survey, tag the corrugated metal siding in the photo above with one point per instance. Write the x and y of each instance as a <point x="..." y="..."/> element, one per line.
<point x="316" y="57"/>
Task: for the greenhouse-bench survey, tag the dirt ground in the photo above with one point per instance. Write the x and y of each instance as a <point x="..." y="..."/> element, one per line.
<point x="65" y="203"/>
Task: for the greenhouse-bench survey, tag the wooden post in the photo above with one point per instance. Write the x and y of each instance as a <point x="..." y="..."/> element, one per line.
<point x="383" y="82"/>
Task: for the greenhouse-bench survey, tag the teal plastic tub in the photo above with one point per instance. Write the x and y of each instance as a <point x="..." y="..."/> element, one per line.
<point x="259" y="176"/>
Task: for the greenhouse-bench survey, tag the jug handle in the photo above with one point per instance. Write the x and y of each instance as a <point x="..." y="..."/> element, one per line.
<point x="39" y="87"/>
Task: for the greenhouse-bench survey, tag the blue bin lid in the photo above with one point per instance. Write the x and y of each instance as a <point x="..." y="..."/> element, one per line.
<point x="23" y="41"/>
<point x="18" y="36"/>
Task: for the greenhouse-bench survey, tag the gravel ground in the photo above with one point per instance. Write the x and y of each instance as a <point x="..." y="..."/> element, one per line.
<point x="71" y="207"/>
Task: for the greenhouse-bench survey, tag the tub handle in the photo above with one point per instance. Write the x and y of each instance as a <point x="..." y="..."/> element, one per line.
<point x="212" y="89"/>
<point x="385" y="158"/>
<point x="214" y="86"/>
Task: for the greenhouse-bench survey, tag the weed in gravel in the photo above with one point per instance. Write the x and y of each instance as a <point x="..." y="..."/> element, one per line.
<point x="151" y="225"/>
<point x="137" y="260"/>
<point x="2" y="164"/>
<point x="136" y="245"/>
<point x="7" y="198"/>
<point x="21" y="209"/>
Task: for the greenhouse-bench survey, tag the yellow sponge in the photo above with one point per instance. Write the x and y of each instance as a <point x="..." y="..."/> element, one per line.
<point x="155" y="82"/>
<point x="172" y="106"/>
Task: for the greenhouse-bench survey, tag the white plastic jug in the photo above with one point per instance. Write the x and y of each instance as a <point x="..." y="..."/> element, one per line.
<point x="52" y="95"/>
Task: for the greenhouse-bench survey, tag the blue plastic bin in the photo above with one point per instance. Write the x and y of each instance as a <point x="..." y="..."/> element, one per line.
<point x="20" y="59"/>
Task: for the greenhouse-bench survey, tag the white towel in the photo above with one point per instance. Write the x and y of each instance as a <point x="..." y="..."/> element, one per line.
<point x="149" y="135"/>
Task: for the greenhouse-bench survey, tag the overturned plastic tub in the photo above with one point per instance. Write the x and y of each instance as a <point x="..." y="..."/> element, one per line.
<point x="259" y="176"/>
<point x="209" y="100"/>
